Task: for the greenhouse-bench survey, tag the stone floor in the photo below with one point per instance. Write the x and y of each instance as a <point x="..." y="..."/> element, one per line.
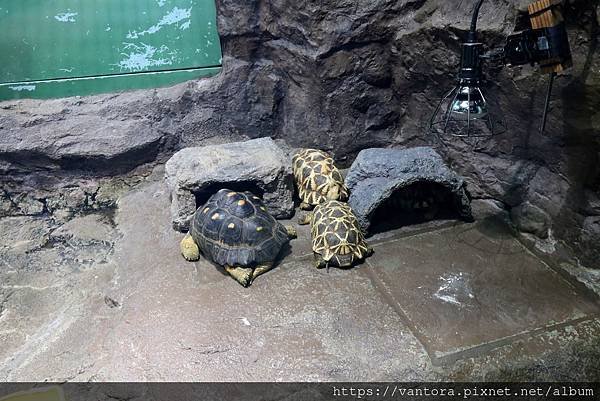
<point x="108" y="297"/>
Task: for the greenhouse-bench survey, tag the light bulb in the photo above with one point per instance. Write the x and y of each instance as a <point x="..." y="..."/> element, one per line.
<point x="465" y="112"/>
<point x="469" y="103"/>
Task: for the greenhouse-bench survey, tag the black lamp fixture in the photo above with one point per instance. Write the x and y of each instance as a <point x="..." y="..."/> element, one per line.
<point x="465" y="111"/>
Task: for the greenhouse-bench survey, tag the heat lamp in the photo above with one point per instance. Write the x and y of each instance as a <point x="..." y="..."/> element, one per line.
<point x="466" y="110"/>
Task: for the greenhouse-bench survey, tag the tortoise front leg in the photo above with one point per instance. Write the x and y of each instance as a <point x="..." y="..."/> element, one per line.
<point x="189" y="248"/>
<point x="319" y="261"/>
<point x="242" y="275"/>
<point x="292" y="233"/>
<point x="305" y="218"/>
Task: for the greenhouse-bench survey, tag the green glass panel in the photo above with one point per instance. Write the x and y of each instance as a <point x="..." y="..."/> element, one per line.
<point x="53" y="48"/>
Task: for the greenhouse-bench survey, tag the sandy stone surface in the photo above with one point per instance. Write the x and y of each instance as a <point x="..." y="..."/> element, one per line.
<point x="108" y="297"/>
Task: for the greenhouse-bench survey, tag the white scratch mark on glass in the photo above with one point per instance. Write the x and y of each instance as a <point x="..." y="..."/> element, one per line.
<point x="66" y="17"/>
<point x="177" y="16"/>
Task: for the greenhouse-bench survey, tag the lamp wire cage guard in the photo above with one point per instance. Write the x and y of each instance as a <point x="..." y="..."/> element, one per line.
<point x="475" y="122"/>
<point x="464" y="111"/>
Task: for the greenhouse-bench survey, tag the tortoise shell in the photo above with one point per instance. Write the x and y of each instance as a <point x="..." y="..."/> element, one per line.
<point x="336" y="235"/>
<point x="235" y="229"/>
<point x="315" y="174"/>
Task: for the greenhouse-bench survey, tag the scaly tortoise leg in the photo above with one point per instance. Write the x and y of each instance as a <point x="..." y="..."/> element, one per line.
<point x="292" y="233"/>
<point x="305" y="218"/>
<point x="189" y="248"/>
<point x="319" y="261"/>
<point x="305" y="206"/>
<point x="260" y="269"/>
<point x="242" y="275"/>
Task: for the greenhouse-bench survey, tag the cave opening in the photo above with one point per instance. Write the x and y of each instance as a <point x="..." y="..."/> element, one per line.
<point x="206" y="192"/>
<point x="416" y="203"/>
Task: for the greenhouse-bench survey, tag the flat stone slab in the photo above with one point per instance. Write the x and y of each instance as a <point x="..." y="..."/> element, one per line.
<point x="80" y="142"/>
<point x="258" y="165"/>
<point x="377" y="173"/>
<point x="471" y="288"/>
<point x="71" y="314"/>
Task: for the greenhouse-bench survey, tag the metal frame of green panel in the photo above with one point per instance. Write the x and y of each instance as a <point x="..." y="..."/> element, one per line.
<point x="58" y="48"/>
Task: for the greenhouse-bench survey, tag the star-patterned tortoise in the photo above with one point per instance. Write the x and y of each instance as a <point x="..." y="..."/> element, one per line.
<point x="317" y="178"/>
<point x="337" y="239"/>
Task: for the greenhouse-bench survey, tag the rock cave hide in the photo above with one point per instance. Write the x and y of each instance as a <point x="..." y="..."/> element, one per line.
<point x="193" y="174"/>
<point x="378" y="173"/>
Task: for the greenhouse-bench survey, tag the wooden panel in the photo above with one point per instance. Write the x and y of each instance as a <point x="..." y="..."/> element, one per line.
<point x="546" y="14"/>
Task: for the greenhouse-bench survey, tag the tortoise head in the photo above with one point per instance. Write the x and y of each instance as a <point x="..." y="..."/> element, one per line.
<point x="346" y="260"/>
<point x="337" y="191"/>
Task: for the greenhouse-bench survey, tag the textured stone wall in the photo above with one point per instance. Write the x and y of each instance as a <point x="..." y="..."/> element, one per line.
<point x="343" y="75"/>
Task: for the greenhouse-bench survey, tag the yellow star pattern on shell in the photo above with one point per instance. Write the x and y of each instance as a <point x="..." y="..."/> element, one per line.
<point x="315" y="174"/>
<point x="335" y="233"/>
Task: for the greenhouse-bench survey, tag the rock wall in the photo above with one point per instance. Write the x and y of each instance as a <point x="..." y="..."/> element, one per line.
<point x="343" y="75"/>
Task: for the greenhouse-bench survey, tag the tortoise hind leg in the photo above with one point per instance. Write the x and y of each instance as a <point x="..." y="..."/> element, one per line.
<point x="305" y="206"/>
<point x="189" y="248"/>
<point x="260" y="269"/>
<point x="242" y="275"/>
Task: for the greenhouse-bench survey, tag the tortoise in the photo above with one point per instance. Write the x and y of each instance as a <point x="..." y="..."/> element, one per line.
<point x="317" y="178"/>
<point x="235" y="230"/>
<point x="337" y="239"/>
